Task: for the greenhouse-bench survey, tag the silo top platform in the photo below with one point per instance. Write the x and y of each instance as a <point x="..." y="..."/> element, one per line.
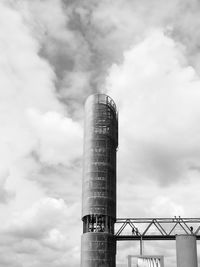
<point x="101" y="99"/>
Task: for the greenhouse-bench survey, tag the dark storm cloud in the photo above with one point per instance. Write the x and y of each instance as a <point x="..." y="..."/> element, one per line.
<point x="92" y="35"/>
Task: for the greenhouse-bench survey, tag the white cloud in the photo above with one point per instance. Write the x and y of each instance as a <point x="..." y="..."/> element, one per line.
<point x="56" y="240"/>
<point x="32" y="121"/>
<point x="158" y="106"/>
<point x="59" y="139"/>
<point x="28" y="84"/>
<point x="157" y="94"/>
<point x="26" y="81"/>
<point x="42" y="234"/>
<point x="162" y="206"/>
<point x="5" y="195"/>
<point x="36" y="222"/>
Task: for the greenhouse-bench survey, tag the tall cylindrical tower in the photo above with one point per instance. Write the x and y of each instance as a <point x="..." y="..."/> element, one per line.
<point x="186" y="251"/>
<point x="98" y="246"/>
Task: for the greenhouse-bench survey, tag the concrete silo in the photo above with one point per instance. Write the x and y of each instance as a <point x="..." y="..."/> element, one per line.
<point x="98" y="245"/>
<point x="186" y="251"/>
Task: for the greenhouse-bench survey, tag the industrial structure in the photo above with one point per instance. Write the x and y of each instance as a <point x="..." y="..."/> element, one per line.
<point x="145" y="261"/>
<point x="186" y="251"/>
<point x="99" y="182"/>
<point x="101" y="228"/>
<point x="156" y="228"/>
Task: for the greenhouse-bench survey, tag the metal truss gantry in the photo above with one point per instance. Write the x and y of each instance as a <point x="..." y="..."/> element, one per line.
<point x="156" y="228"/>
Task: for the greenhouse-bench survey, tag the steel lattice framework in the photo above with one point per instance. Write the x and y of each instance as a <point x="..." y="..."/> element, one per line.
<point x="155" y="228"/>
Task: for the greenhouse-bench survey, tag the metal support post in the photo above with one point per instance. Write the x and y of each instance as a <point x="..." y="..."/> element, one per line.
<point x="141" y="246"/>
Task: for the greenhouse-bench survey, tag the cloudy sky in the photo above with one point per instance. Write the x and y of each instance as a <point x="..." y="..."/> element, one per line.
<point x="53" y="53"/>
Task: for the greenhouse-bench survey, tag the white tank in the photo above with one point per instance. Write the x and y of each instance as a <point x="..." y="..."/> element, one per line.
<point x="186" y="251"/>
<point x="150" y="261"/>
